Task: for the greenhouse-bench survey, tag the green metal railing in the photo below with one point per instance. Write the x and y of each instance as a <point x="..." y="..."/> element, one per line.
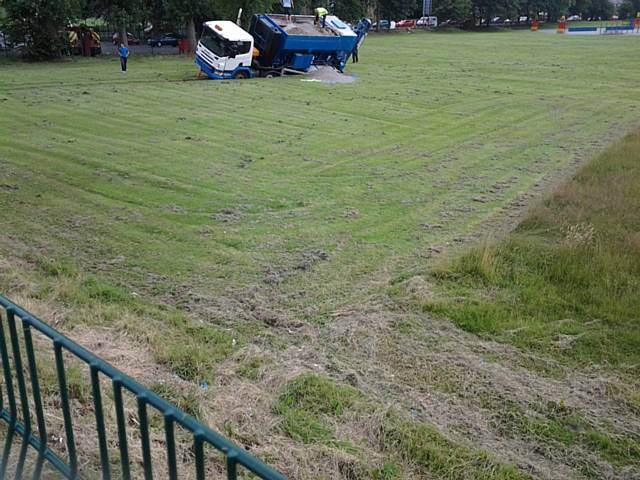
<point x="20" y="422"/>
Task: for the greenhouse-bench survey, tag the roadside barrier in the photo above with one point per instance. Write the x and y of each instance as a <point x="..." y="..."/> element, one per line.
<point x="631" y="27"/>
<point x="16" y="411"/>
<point x="583" y="29"/>
<point x="618" y="28"/>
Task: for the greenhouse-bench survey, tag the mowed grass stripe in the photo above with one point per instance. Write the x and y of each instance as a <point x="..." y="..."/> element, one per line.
<point x="307" y="166"/>
<point x="289" y="214"/>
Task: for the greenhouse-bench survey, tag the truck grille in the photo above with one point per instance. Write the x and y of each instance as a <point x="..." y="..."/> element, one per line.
<point x="205" y="55"/>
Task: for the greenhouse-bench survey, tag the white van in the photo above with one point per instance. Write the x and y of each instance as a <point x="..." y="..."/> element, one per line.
<point x="427" y="22"/>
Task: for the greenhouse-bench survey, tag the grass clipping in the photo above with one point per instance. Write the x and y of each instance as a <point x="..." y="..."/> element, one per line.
<point x="311" y="407"/>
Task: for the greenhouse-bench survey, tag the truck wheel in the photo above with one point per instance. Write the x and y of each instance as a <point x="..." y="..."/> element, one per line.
<point x="241" y="75"/>
<point x="272" y="74"/>
<point x="158" y="44"/>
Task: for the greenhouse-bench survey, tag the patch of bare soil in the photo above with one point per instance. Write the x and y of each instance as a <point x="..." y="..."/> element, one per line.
<point x="227" y="216"/>
<point x="327" y="74"/>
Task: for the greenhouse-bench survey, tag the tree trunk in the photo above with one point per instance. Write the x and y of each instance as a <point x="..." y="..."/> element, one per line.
<point x="122" y="35"/>
<point x="191" y="35"/>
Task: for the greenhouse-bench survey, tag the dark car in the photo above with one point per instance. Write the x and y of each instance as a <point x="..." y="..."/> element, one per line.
<point x="131" y="40"/>
<point x="384" y="25"/>
<point x="164" y="39"/>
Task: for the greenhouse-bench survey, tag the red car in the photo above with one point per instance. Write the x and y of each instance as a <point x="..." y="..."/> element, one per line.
<point x="406" y="24"/>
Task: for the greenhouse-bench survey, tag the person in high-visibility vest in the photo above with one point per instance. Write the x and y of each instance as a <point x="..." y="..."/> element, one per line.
<point x="321" y="16"/>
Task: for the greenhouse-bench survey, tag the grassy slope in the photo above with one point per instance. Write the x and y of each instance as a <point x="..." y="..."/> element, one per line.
<point x="253" y="211"/>
<point x="566" y="281"/>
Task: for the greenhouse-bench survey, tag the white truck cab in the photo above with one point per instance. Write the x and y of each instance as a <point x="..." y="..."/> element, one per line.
<point x="225" y="49"/>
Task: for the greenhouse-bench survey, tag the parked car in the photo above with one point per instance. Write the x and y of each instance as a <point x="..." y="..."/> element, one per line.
<point x="406" y="24"/>
<point x="427" y="22"/>
<point x="573" y="18"/>
<point x="384" y="25"/>
<point x="131" y="40"/>
<point x="164" y="39"/>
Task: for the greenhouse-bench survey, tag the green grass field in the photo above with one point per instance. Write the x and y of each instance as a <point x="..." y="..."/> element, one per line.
<point x="245" y="233"/>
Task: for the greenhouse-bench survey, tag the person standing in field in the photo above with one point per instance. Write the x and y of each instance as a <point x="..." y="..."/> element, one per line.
<point x="354" y="54"/>
<point x="124" y="54"/>
<point x="288" y="8"/>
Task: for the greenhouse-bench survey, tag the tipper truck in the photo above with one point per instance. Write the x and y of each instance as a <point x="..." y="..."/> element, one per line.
<point x="275" y="45"/>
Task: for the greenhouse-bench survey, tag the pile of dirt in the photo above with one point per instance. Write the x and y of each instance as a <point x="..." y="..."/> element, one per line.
<point x="302" y="25"/>
<point x="326" y="74"/>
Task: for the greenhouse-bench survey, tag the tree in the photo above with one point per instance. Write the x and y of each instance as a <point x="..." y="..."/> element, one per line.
<point x="40" y="24"/>
<point x="629" y="8"/>
<point x="394" y="9"/>
<point x="119" y="12"/>
<point x="487" y="9"/>
<point x="555" y="8"/>
<point x="349" y="10"/>
<point x="579" y="7"/>
<point x="600" y="9"/>
<point x="459" y="11"/>
<point x="527" y="8"/>
<point x="188" y="12"/>
<point x="228" y="9"/>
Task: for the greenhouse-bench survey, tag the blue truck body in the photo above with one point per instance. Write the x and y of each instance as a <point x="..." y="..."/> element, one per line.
<point x="299" y="48"/>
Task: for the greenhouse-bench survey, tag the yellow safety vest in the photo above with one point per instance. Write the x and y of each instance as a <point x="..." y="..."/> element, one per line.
<point x="322" y="12"/>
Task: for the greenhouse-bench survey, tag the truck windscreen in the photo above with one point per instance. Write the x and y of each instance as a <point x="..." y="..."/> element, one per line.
<point x="221" y="46"/>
